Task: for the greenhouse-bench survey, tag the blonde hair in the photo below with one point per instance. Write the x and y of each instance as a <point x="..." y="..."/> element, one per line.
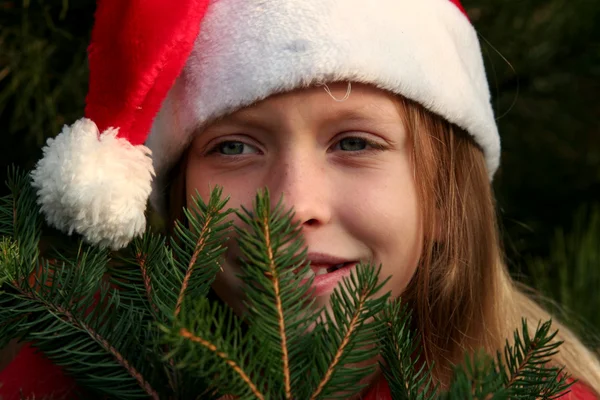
<point x="462" y="295"/>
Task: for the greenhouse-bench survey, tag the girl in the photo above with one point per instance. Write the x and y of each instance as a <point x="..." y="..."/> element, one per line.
<point x="372" y="119"/>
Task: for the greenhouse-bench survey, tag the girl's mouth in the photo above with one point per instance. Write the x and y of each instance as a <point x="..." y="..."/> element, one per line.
<point x="327" y="276"/>
<point x="323" y="269"/>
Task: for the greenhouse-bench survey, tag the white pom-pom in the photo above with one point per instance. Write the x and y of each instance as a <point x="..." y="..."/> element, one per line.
<point x="94" y="184"/>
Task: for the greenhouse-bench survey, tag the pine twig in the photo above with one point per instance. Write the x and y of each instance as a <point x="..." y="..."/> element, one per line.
<point x="533" y="355"/>
<point x="342" y="348"/>
<point x="141" y="260"/>
<point x="275" y="279"/>
<point x="198" y="247"/>
<point x="271" y="250"/>
<point x="99" y="339"/>
<point x="401" y="355"/>
<point x="235" y="367"/>
<point x="186" y="280"/>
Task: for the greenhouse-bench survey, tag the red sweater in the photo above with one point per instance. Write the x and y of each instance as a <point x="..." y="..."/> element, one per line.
<point x="38" y="377"/>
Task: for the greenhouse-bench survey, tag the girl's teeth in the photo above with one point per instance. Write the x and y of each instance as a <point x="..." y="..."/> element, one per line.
<point x="321" y="271"/>
<point x="309" y="274"/>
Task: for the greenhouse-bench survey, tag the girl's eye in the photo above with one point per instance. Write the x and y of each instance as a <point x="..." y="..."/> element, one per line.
<point x="358" y="145"/>
<point x="352" y="144"/>
<point x="234" y="148"/>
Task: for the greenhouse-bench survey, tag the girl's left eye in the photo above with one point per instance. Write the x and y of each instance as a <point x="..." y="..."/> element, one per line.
<point x="357" y="144"/>
<point x="352" y="144"/>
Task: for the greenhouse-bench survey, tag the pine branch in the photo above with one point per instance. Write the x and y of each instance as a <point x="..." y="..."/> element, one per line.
<point x="231" y="363"/>
<point x="277" y="299"/>
<point x="197" y="249"/>
<point x="159" y="274"/>
<point x="150" y="330"/>
<point x="69" y="314"/>
<point x="159" y="278"/>
<point x="136" y="270"/>
<point x="476" y="379"/>
<point x="401" y="353"/>
<point x="142" y="261"/>
<point x="347" y="334"/>
<point x="9" y="252"/>
<point x="528" y="363"/>
<point x="525" y="371"/>
<point x="20" y="219"/>
<point x="279" y="334"/>
<point x="64" y="307"/>
<point x="209" y="340"/>
<point x="272" y="273"/>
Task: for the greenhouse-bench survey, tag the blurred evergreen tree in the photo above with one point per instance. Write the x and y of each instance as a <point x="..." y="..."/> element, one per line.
<point x="568" y="280"/>
<point x="543" y="59"/>
<point x="43" y="73"/>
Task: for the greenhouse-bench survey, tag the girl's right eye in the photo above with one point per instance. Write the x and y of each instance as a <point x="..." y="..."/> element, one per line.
<point x="233" y="148"/>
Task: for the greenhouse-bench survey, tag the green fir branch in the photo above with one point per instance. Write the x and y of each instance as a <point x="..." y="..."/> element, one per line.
<point x="524" y="371"/>
<point x="528" y="363"/>
<point x="9" y="254"/>
<point x="400" y="351"/>
<point x="273" y="264"/>
<point x="476" y="379"/>
<point x="158" y="274"/>
<point x="138" y="272"/>
<point x="349" y="334"/>
<point x="77" y="329"/>
<point x="20" y="219"/>
<point x="197" y="249"/>
<point x="140" y="323"/>
<point x="209" y="340"/>
<point x="54" y="303"/>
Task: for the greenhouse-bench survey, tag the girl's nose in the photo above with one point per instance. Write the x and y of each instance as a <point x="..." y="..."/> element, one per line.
<point x="303" y="182"/>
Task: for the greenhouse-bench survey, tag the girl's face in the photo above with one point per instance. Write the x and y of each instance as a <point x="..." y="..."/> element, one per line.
<point x="344" y="166"/>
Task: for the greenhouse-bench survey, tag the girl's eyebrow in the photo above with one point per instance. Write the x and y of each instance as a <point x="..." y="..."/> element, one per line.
<point x="266" y="118"/>
<point x="246" y="118"/>
<point x="375" y="117"/>
<point x="354" y="114"/>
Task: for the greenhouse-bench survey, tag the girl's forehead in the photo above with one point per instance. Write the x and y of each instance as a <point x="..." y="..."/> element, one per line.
<point x="350" y="101"/>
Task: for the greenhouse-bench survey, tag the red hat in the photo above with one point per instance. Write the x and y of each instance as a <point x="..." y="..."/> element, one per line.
<point x="161" y="69"/>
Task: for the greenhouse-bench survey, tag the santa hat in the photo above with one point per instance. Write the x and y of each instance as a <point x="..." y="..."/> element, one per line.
<point x="160" y="69"/>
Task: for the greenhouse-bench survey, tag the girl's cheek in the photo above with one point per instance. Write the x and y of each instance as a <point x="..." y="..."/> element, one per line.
<point x="238" y="186"/>
<point x="203" y="178"/>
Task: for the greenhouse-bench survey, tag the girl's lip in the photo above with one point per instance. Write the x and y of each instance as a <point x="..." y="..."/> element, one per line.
<point x="325" y="284"/>
<point x="325" y="259"/>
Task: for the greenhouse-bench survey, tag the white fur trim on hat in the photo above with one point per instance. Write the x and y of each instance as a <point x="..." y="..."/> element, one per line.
<point x="95" y="184"/>
<point x="247" y="50"/>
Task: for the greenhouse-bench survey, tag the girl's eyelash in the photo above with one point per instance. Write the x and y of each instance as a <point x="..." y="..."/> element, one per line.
<point x="372" y="145"/>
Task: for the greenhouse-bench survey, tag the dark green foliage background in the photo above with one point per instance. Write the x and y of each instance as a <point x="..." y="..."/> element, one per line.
<point x="543" y="60"/>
